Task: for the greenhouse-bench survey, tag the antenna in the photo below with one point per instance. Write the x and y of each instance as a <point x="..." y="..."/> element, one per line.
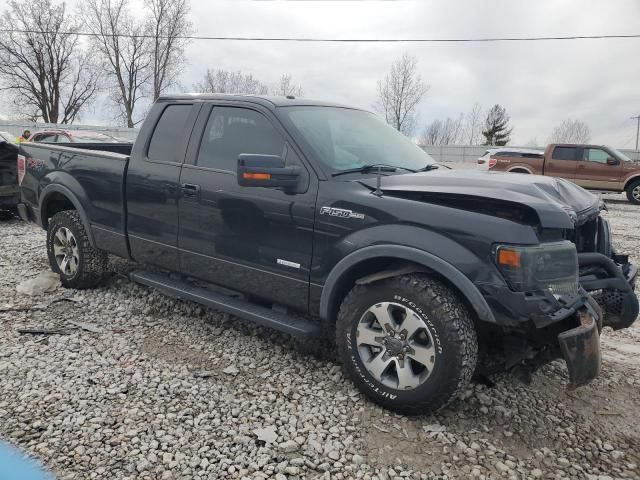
<point x="377" y="191"/>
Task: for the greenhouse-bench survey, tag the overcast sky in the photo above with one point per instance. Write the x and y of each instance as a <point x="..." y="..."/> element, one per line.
<point x="540" y="83"/>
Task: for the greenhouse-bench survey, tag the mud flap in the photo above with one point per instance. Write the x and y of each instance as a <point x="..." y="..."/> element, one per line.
<point x="580" y="348"/>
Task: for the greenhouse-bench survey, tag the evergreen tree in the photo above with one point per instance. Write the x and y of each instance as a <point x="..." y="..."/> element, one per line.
<point x="496" y="127"/>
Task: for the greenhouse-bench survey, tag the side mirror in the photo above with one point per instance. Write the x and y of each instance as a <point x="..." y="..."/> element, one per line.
<point x="613" y="161"/>
<point x="267" y="171"/>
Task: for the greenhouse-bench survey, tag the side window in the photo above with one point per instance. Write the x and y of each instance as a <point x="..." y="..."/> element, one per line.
<point x="231" y="131"/>
<point x="62" y="139"/>
<point x="564" y="153"/>
<point x="169" y="134"/>
<point x="595" y="155"/>
<point x="47" y="138"/>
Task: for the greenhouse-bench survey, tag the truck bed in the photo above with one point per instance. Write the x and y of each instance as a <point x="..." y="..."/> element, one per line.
<point x="94" y="178"/>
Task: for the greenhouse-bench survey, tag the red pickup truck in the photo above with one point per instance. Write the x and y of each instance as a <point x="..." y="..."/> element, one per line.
<point x="594" y="167"/>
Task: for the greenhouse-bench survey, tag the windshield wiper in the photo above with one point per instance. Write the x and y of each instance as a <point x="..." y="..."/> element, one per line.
<point x="378" y="167"/>
<point x="428" y="168"/>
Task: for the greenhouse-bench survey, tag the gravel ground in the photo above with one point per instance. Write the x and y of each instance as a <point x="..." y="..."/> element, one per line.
<point x="167" y="389"/>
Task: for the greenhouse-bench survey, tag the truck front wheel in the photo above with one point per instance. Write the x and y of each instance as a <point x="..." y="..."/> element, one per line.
<point x="71" y="254"/>
<point x="633" y="192"/>
<point x="407" y="342"/>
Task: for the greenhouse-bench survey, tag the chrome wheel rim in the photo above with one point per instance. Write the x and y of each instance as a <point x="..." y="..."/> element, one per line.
<point x="636" y="193"/>
<point x="65" y="251"/>
<point x="395" y="346"/>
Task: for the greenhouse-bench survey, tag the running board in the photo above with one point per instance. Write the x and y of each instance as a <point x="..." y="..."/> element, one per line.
<point x="295" y="326"/>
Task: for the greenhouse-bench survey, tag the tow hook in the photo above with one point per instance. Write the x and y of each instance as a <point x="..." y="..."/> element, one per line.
<point x="580" y="348"/>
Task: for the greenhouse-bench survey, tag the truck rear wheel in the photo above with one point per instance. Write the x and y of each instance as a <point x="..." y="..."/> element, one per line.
<point x="71" y="254"/>
<point x="633" y="192"/>
<point x="407" y="342"/>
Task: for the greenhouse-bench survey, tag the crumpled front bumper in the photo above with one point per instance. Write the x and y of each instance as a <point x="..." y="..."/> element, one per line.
<point x="580" y="347"/>
<point x="611" y="282"/>
<point x="612" y="302"/>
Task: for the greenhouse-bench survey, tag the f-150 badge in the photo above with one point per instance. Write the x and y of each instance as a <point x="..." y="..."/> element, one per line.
<point x="340" y="212"/>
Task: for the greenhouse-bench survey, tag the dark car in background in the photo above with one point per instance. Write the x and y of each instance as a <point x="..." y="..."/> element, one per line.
<point x="8" y="174"/>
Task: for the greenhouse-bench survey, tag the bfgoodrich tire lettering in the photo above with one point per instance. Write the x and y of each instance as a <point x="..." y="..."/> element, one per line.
<point x="89" y="264"/>
<point x="449" y="324"/>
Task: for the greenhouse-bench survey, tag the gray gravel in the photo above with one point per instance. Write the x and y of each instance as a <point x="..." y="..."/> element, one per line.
<point x="159" y="388"/>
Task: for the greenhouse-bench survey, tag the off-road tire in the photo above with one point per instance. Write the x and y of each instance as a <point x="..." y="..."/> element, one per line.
<point x="92" y="262"/>
<point x="630" y="188"/>
<point x="450" y="323"/>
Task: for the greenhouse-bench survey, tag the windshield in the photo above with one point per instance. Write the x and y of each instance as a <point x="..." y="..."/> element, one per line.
<point x="345" y="139"/>
<point x="620" y="155"/>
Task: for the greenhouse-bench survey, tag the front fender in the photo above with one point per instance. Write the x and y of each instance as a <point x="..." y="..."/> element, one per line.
<point x="402" y="252"/>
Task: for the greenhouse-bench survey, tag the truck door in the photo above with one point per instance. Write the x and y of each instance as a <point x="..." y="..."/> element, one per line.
<point x="595" y="172"/>
<point x="153" y="187"/>
<point x="254" y="240"/>
<point x="563" y="162"/>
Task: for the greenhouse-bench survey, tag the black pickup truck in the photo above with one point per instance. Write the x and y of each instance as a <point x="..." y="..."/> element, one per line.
<point x="311" y="217"/>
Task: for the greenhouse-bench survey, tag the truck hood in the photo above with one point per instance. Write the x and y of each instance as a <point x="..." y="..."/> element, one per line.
<point x="557" y="203"/>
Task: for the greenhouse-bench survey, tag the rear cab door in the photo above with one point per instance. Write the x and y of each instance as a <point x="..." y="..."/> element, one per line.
<point x="562" y="161"/>
<point x="153" y="183"/>
<point x="595" y="172"/>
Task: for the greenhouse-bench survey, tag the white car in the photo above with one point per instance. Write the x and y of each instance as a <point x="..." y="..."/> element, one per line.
<point x="485" y="160"/>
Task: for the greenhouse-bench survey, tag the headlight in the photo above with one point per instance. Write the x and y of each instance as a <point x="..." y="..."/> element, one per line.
<point x="551" y="266"/>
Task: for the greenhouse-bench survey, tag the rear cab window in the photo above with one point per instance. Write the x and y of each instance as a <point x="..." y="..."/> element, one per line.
<point x="166" y="144"/>
<point x="564" y="153"/>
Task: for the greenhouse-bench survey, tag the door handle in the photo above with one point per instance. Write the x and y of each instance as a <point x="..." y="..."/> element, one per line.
<point x="190" y="189"/>
<point x="581" y="166"/>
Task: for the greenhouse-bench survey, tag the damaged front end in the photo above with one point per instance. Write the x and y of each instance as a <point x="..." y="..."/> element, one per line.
<point x="561" y="295"/>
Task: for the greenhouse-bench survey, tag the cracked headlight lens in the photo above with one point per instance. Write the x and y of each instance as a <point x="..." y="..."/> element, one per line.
<point x="548" y="266"/>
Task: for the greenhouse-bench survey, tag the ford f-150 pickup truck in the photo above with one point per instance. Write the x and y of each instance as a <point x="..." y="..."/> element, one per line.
<point x="311" y="217"/>
<point x="595" y="167"/>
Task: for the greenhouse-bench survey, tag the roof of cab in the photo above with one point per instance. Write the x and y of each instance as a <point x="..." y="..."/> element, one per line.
<point x="267" y="100"/>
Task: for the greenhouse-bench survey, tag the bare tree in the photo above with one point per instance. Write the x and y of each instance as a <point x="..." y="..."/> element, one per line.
<point x="124" y="49"/>
<point x="532" y="143"/>
<point x="473" y="125"/>
<point x="287" y="87"/>
<point x="168" y="25"/>
<point x="571" y="131"/>
<point x="496" y="127"/>
<point x="44" y="67"/>
<point x="447" y="132"/>
<point x="400" y="92"/>
<point x="223" y="81"/>
<point x="431" y="133"/>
